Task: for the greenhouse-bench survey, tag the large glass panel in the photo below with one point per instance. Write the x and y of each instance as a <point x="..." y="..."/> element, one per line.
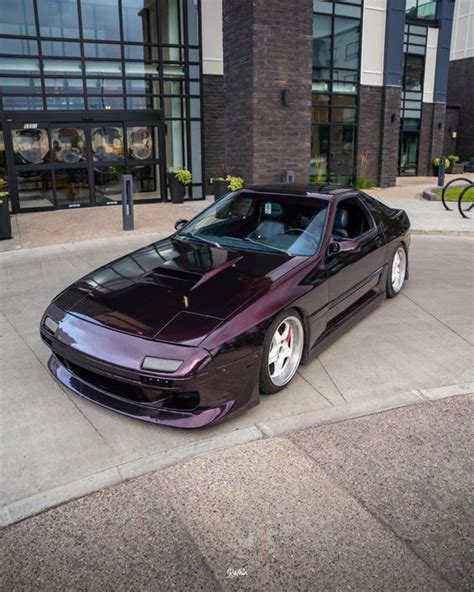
<point x="141" y="69"/>
<point x="19" y="66"/>
<point x="413" y="72"/>
<point x="20" y="85"/>
<point x="107" y="183"/>
<point x="100" y="19"/>
<point x="102" y="50"/>
<point x="346" y="43"/>
<point x="30" y="146"/>
<point x="66" y="49"/>
<point x="319" y="153"/>
<point x="103" y="68"/>
<point x="62" y="67"/>
<point x="63" y="103"/>
<point x="141" y="86"/>
<point x="140" y="143"/>
<point x="408" y="152"/>
<point x="72" y="187"/>
<point x="322" y="37"/>
<point x="342" y="153"/>
<point x="18" y="18"/>
<point x="140" y="21"/>
<point x="58" y="18"/>
<point x="18" y="46"/>
<point x="59" y="86"/>
<point x="106" y="103"/>
<point x="142" y="52"/>
<point x="171" y="26"/>
<point x="68" y="144"/>
<point x="22" y="103"/>
<point x="146" y="183"/>
<point x="100" y="86"/>
<point x="107" y="143"/>
<point x="35" y="189"/>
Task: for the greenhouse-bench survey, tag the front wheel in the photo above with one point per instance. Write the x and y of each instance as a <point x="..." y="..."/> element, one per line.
<point x="282" y="351"/>
<point x="397" y="272"/>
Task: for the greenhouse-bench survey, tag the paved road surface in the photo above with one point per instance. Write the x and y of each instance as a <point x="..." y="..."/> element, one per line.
<point x="380" y="503"/>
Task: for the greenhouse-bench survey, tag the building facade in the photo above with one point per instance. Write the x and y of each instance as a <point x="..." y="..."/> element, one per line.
<point x="323" y="91"/>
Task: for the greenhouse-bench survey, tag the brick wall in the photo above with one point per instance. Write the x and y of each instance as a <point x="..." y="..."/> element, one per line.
<point x="431" y="136"/>
<point x="378" y="135"/>
<point x="267" y="48"/>
<point x="461" y="77"/>
<point x="213" y="106"/>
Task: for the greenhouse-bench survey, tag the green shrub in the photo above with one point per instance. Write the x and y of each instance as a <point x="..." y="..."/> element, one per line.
<point x="453" y="157"/>
<point x="365" y="183"/>
<point x="234" y="183"/>
<point x="183" y="176"/>
<point x="437" y="162"/>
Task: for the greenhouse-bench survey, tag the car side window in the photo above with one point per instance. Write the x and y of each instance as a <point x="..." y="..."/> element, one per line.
<point x="351" y="220"/>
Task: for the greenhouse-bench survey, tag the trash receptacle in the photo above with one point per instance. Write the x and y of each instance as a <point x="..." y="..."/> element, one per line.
<point x="5" y="223"/>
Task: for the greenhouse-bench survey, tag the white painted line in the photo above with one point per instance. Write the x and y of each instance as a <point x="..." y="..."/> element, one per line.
<point x="452" y="390"/>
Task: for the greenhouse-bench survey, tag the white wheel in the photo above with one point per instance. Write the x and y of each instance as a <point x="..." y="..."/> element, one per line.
<point x="398" y="270"/>
<point x="286" y="349"/>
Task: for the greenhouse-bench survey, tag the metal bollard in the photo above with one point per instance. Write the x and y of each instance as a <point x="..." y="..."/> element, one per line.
<point x="127" y="202"/>
<point x="441" y="172"/>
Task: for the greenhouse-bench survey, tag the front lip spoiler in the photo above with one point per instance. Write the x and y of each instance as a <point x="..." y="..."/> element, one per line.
<point x="145" y="412"/>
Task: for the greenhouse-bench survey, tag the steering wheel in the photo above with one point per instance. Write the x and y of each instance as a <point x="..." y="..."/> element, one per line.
<point x="300" y="231"/>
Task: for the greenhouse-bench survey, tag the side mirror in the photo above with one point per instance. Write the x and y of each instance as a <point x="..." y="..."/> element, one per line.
<point x="343" y="246"/>
<point x="180" y="223"/>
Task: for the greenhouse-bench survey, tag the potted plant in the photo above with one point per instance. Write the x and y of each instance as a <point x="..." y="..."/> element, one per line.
<point x="437" y="162"/>
<point x="178" y="180"/>
<point x="5" y="223"/>
<point x="454" y="166"/>
<point x="222" y="185"/>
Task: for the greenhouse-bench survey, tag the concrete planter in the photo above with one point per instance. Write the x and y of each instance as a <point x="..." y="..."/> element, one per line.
<point x="177" y="189"/>
<point x="219" y="188"/>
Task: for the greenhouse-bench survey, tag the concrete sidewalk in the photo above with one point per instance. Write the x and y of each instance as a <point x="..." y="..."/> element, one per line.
<point x="56" y="446"/>
<point x="380" y="503"/>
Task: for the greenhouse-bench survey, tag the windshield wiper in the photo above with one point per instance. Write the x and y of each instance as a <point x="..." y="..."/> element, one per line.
<point x="255" y="242"/>
<point x="199" y="238"/>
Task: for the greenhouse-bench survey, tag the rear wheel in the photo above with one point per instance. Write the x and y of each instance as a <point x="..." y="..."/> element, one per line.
<point x="397" y="272"/>
<point x="282" y="351"/>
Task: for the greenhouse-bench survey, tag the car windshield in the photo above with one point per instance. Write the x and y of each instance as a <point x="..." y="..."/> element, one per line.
<point x="290" y="224"/>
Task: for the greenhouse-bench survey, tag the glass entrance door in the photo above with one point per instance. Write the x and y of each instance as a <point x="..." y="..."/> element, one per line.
<point x="408" y="152"/>
<point x="67" y="164"/>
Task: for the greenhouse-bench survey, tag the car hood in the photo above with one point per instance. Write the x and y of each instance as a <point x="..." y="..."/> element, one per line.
<point x="173" y="290"/>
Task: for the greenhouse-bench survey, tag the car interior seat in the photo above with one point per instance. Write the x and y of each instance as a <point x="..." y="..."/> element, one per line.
<point x="271" y="223"/>
<point x="341" y="222"/>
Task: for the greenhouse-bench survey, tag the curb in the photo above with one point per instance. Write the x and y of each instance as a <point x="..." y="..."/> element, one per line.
<point x="27" y="507"/>
<point x="461" y="233"/>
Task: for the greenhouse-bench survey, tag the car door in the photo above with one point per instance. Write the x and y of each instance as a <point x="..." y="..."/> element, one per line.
<point x="356" y="268"/>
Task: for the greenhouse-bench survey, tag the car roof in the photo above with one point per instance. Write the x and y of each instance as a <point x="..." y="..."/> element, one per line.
<point x="327" y="191"/>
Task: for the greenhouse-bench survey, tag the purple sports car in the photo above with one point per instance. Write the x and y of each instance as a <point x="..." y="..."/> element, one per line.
<point x="191" y="329"/>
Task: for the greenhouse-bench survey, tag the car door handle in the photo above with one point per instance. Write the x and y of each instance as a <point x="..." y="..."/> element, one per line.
<point x="378" y="241"/>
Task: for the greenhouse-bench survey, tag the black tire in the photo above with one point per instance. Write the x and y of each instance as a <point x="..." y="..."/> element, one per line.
<point x="394" y="290"/>
<point x="267" y="386"/>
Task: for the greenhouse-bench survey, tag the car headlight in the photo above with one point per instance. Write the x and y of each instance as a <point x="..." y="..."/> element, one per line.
<point x="51" y="325"/>
<point x="161" y="364"/>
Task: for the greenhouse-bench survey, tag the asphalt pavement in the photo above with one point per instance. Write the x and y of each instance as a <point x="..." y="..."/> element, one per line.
<point x="56" y="446"/>
<point x="379" y="503"/>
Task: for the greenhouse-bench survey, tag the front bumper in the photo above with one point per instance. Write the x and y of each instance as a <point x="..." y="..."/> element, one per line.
<point x="86" y="359"/>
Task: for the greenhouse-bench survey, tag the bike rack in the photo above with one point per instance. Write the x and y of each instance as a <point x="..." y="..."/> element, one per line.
<point x="461" y="195"/>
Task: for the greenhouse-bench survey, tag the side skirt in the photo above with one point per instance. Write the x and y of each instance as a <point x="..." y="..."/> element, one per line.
<point x="345" y="321"/>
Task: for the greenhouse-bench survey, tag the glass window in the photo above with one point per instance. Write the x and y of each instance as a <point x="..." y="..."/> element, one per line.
<point x="59" y="86"/>
<point x="421" y="9"/>
<point x="66" y="49"/>
<point x="35" y="189"/>
<point x="100" y="19"/>
<point x="99" y="86"/>
<point x="30" y="146"/>
<point x="19" y="46"/>
<point x="141" y="52"/>
<point x="105" y="102"/>
<point x="142" y="86"/>
<point x="20" y="85"/>
<point x="68" y="144"/>
<point x="104" y="68"/>
<point x="140" y="21"/>
<point x="72" y="186"/>
<point x="146" y="184"/>
<point x="414" y="66"/>
<point x="63" y="103"/>
<point x="19" y="66"/>
<point x="18" y="18"/>
<point x="107" y="143"/>
<point x="102" y="50"/>
<point x="140" y="143"/>
<point x="171" y="26"/>
<point x="11" y="103"/>
<point x="140" y="69"/>
<point x="58" y="18"/>
<point x="322" y="38"/>
<point x="143" y="103"/>
<point x="107" y="183"/>
<point x="66" y="67"/>
<point x="346" y="43"/>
